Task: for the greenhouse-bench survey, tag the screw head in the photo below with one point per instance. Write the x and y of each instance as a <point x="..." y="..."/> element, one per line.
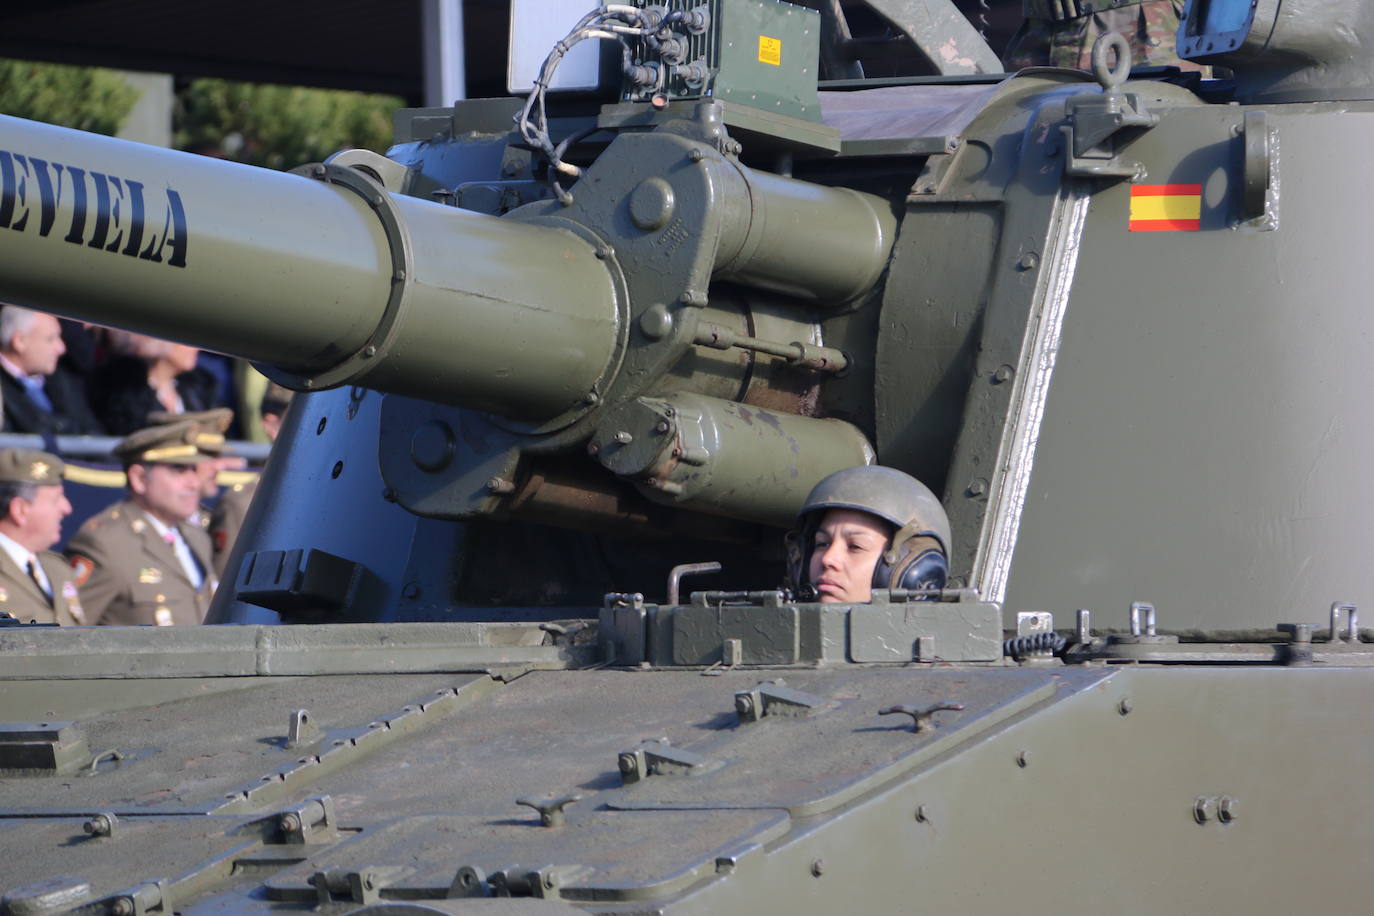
<point x="1023" y="758"/>
<point x="1204" y="808"/>
<point x="818" y="867"/>
<point x="290" y="823"/>
<point x="922" y="814"/>
<point x="1226" y="809"/>
<point x="744" y="704"/>
<point x="1028" y="261"/>
<point x="627" y="763"/>
<point x="123" y="906"/>
<point x="1125" y="706"/>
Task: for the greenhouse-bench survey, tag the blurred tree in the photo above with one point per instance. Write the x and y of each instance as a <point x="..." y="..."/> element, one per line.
<point x="87" y="98"/>
<point x="279" y="126"/>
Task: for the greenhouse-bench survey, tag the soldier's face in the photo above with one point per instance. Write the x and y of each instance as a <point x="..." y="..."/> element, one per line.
<point x="40" y="519"/>
<point x="846" y="550"/>
<point x="171" y="492"/>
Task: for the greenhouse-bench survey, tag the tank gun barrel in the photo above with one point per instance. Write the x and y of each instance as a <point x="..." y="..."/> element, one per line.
<point x="339" y="281"/>
<point x="322" y="279"/>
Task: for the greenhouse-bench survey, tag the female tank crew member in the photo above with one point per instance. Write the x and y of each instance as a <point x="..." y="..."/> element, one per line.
<point x="863" y="528"/>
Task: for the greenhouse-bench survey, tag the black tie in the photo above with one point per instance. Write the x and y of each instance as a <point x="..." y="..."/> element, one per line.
<point x="33" y="574"/>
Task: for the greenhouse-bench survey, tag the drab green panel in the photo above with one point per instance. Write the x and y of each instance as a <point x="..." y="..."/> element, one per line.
<point x="788" y="87"/>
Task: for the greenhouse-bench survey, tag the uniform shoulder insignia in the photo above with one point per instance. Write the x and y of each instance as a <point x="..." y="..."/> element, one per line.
<point x="82" y="567"/>
<point x="138" y="525"/>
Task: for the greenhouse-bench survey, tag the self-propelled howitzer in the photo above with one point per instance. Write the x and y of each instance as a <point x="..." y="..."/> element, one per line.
<point x="1116" y="325"/>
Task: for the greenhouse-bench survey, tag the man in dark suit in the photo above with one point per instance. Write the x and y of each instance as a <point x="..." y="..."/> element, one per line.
<point x="38" y="397"/>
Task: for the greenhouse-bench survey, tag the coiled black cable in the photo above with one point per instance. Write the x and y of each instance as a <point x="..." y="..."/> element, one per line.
<point x="1021" y="646"/>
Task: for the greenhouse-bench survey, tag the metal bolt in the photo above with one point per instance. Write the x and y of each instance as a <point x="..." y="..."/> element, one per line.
<point x="1204" y="809"/>
<point x="593" y="447"/>
<point x="1124" y="707"/>
<point x="1023" y="758"/>
<point x="123" y="906"/>
<point x="744" y="704"/>
<point x="500" y="485"/>
<point x="1028" y="261"/>
<point x="98" y="826"/>
<point x="318" y="171"/>
<point x="977" y="487"/>
<point x="818" y="867"/>
<point x="290" y="823"/>
<point x="1002" y="374"/>
<point x="623" y="437"/>
<point x="411" y="590"/>
<point x="922" y="814"/>
<point x="627" y="763"/>
<point x="1226" y="809"/>
<point x="661" y="426"/>
<point x="604" y="252"/>
<point x="695" y="155"/>
<point x="369" y="351"/>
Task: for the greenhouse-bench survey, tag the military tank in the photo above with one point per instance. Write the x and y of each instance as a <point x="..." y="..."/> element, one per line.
<point x="506" y="632"/>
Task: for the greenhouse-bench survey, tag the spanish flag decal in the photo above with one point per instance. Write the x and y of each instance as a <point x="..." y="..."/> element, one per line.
<point x="1164" y="207"/>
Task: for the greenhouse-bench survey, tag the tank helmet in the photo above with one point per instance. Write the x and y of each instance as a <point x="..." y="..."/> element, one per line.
<point x="917" y="553"/>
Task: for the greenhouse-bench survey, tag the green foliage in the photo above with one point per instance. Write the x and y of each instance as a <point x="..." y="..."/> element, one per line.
<point x="279" y="126"/>
<point x="87" y="98"/>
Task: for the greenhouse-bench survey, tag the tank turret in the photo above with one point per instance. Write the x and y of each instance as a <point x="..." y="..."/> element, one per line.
<point x="573" y="364"/>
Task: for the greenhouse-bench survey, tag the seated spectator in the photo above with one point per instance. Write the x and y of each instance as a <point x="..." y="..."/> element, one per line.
<point x="39" y="397"/>
<point x="145" y="374"/>
<point x="35" y="583"/>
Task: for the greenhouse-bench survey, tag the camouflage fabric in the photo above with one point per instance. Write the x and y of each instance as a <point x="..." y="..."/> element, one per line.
<point x="1151" y="29"/>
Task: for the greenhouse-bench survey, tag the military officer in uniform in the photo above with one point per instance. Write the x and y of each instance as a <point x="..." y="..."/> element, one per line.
<point x="35" y="583"/>
<point x="233" y="504"/>
<point x="141" y="561"/>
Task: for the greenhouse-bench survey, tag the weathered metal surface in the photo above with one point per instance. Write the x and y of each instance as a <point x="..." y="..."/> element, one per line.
<point x="1095" y="394"/>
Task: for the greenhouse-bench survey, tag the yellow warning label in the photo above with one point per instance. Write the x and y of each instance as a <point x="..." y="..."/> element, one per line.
<point x="770" y="51"/>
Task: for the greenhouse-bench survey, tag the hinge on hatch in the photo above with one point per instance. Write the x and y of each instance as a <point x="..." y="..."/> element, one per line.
<point x="1100" y="124"/>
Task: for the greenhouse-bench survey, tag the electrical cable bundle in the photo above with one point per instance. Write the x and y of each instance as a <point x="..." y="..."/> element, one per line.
<point x="614" y="22"/>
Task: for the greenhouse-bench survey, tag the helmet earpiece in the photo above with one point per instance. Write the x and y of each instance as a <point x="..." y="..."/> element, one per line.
<point x="922" y="566"/>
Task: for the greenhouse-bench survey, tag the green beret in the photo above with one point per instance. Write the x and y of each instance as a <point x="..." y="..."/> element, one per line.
<point x="27" y="465"/>
<point x="168" y="443"/>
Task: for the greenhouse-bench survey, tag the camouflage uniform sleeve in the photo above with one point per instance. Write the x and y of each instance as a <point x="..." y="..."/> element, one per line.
<point x="98" y="581"/>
